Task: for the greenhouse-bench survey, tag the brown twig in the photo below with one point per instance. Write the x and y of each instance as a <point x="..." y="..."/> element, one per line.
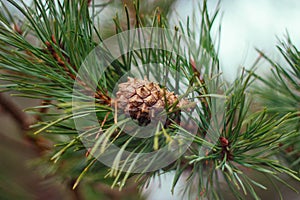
<point x="43" y="110"/>
<point x="60" y="61"/>
<point x="64" y="62"/>
<point x="24" y="121"/>
<point x="204" y="101"/>
<point x="15" y="111"/>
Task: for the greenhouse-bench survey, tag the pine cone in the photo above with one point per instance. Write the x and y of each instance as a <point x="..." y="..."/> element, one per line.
<point x="144" y="100"/>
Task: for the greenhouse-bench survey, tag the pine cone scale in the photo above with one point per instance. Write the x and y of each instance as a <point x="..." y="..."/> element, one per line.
<point x="143" y="100"/>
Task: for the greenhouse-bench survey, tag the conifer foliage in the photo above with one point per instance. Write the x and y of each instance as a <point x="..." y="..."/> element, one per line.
<point x="41" y="56"/>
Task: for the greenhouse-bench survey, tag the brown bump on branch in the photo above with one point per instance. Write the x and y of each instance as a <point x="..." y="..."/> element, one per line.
<point x="60" y="61"/>
<point x="196" y="71"/>
<point x="89" y="2"/>
<point x="225" y="148"/>
<point x="17" y="29"/>
<point x="48" y="44"/>
<point x="158" y="16"/>
<point x="53" y="39"/>
<point x="224" y="142"/>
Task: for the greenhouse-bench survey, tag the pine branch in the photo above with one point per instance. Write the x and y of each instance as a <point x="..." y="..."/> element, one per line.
<point x="226" y="138"/>
<point x="285" y="78"/>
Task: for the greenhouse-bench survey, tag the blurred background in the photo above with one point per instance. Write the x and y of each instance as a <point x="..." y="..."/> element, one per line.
<point x="245" y="25"/>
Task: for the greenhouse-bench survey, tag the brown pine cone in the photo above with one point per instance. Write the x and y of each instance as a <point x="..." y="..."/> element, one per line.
<point x="143" y="100"/>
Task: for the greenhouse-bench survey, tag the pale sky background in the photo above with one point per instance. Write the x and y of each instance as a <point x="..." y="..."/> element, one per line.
<point x="249" y="24"/>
